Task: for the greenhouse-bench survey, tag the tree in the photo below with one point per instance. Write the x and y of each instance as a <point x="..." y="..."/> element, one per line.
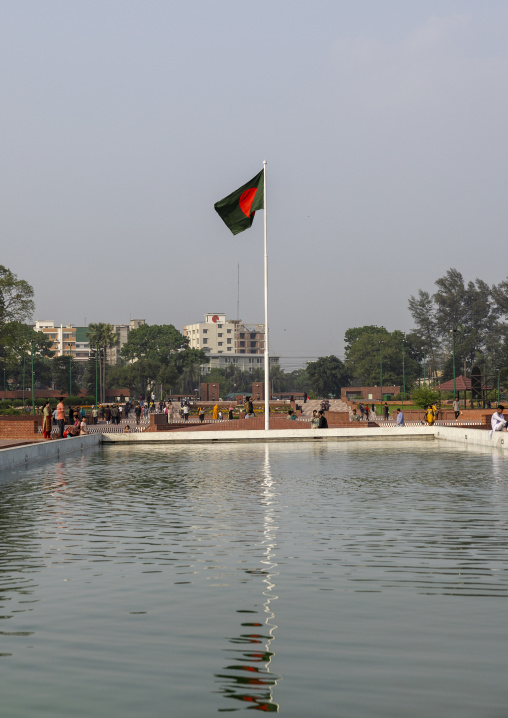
<point x="472" y="312"/>
<point x="159" y="355"/>
<point x="424" y="316"/>
<point x="16" y="298"/>
<point x="61" y="374"/>
<point x="101" y="338"/>
<point x="16" y="306"/>
<point x="17" y="344"/>
<point x="327" y="375"/>
<point x="363" y="357"/>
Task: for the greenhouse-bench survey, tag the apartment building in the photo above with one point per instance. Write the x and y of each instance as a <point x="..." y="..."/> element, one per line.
<point x="73" y="341"/>
<point x="229" y="342"/>
<point x="218" y="335"/>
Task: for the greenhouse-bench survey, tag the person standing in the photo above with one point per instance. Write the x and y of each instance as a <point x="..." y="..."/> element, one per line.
<point x="386" y="411"/>
<point x="249" y="407"/>
<point x="215" y="412"/>
<point x="201" y="414"/>
<point x="186" y="412"/>
<point x="46" y="421"/>
<point x="323" y="423"/>
<point x="60" y="417"/>
<point x="456" y="407"/>
<point x="314" y="422"/>
<point x="230" y="412"/>
<point x="71" y="415"/>
<point x="107" y="414"/>
<point x="95" y="414"/>
<point x="137" y="412"/>
<point x="400" y="419"/>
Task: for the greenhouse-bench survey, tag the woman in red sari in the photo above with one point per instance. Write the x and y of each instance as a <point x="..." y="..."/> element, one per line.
<point x="46" y="421"/>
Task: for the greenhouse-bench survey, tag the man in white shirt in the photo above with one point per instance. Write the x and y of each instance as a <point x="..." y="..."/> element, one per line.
<point x="400" y="419"/>
<point x="497" y="421"/>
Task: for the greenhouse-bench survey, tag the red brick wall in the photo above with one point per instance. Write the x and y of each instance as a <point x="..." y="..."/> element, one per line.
<point x="25" y="429"/>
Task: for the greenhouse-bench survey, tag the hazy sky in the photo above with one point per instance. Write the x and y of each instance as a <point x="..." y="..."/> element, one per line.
<point x="383" y="123"/>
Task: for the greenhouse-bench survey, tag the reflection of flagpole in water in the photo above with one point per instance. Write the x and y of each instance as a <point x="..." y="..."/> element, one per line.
<point x="250" y="679"/>
<point x="270" y="528"/>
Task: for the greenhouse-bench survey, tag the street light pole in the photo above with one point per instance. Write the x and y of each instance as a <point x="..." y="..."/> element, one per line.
<point x="403" y="374"/>
<point x="24" y="361"/>
<point x="96" y="374"/>
<point x="5" y="391"/>
<point x="381" y="374"/>
<point x="70" y="371"/>
<point x="33" y="382"/>
<point x="453" y="355"/>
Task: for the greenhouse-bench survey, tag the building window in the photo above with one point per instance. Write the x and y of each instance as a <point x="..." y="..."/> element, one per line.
<point x="228" y="331"/>
<point x="242" y="336"/>
<point x="253" y="335"/>
<point x="205" y="331"/>
<point x="220" y="343"/>
<point x="242" y="344"/>
<point x="205" y="341"/>
<point x="229" y="349"/>
<point x="242" y="351"/>
<point x="219" y="334"/>
<point x="220" y="326"/>
<point x="253" y="344"/>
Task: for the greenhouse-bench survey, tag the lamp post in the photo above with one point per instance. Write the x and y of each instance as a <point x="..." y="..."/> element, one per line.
<point x="403" y="373"/>
<point x="5" y="391"/>
<point x="381" y="374"/>
<point x="70" y="371"/>
<point x="96" y="374"/>
<point x="424" y="369"/>
<point x="24" y="361"/>
<point x="453" y="356"/>
<point x="33" y="378"/>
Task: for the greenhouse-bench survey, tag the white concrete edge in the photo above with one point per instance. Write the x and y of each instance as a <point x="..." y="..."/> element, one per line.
<point x="46" y="450"/>
<point x="469" y="436"/>
<point x="333" y="434"/>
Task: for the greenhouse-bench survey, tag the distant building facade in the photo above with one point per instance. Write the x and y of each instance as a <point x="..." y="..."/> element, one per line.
<point x="369" y="393"/>
<point x="229" y="342"/>
<point x="70" y="340"/>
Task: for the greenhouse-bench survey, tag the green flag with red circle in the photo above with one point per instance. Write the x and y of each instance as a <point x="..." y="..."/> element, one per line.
<point x="237" y="210"/>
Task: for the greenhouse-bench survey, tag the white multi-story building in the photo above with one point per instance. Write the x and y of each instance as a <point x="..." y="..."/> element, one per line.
<point x="229" y="342"/>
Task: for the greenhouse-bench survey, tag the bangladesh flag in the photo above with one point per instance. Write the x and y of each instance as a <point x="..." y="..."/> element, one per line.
<point x="238" y="208"/>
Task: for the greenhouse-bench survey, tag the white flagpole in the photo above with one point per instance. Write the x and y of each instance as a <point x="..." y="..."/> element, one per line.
<point x="267" y="355"/>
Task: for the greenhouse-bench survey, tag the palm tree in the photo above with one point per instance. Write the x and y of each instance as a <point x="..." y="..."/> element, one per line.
<point x="102" y="337"/>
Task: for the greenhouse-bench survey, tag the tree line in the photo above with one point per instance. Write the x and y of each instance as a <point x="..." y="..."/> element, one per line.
<point x="472" y="316"/>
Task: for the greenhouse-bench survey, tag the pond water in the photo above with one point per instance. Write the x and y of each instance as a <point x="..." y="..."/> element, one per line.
<point x="330" y="580"/>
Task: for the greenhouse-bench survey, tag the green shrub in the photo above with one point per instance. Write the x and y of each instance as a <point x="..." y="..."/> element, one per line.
<point x="424" y="396"/>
